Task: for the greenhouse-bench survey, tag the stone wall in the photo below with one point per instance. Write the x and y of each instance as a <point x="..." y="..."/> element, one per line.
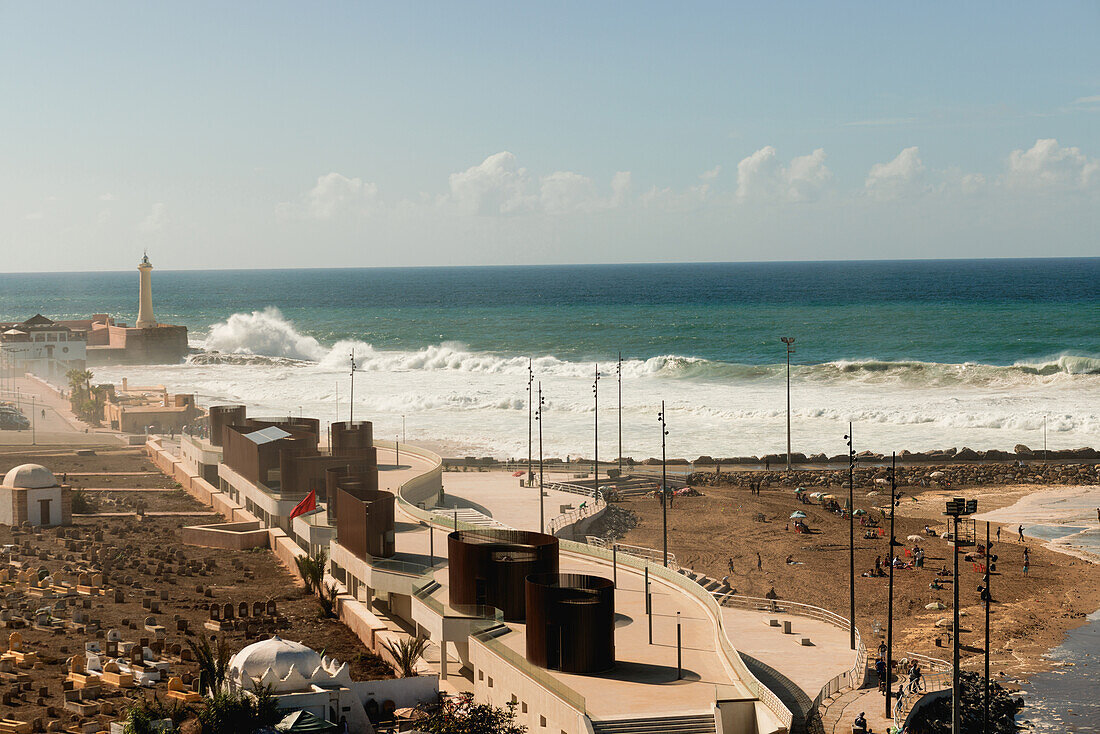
<point x="933" y="475"/>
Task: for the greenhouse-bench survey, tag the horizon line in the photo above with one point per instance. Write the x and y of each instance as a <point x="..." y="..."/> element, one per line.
<point x="502" y="266"/>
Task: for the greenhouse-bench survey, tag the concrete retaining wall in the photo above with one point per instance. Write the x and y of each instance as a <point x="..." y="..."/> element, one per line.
<point x="230" y="535"/>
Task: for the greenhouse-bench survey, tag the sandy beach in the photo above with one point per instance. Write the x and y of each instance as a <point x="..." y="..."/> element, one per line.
<point x="1031" y="614"/>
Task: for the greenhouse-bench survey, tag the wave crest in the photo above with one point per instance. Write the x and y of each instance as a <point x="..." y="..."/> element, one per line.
<point x="267" y="337"/>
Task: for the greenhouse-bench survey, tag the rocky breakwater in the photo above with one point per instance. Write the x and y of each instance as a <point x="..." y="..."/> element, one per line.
<point x="930" y="475"/>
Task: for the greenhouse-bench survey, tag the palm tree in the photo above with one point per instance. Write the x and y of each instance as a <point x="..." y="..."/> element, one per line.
<point x="213" y="662"/>
<point x="406" y="653"/>
<point x="312" y="570"/>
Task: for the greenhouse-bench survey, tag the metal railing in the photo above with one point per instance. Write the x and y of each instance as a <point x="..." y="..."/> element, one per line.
<point x="650" y="554"/>
<point x="575" y="699"/>
<point x="851" y="678"/>
<point x="575" y="515"/>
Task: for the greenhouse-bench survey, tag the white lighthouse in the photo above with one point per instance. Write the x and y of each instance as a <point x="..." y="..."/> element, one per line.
<point x="145" y="318"/>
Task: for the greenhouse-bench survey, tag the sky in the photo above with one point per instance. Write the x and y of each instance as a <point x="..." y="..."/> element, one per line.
<point x="272" y="134"/>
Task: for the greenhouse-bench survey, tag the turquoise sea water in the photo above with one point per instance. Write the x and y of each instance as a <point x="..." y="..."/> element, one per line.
<point x="921" y="354"/>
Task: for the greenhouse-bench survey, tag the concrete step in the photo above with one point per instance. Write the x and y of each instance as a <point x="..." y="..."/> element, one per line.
<point x="699" y="724"/>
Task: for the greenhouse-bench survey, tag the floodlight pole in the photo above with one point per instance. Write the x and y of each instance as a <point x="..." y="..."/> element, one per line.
<point x="530" y="417"/>
<point x="890" y="597"/>
<point x="852" y="539"/>
<point x="989" y="598"/>
<point x="789" y="341"/>
<point x="596" y="432"/>
<point x="664" y="488"/>
<point x="351" y="399"/>
<point x="619" y="369"/>
<point x="956" y="508"/>
<point x="538" y="417"/>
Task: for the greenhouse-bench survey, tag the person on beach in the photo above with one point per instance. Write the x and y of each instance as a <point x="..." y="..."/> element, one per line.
<point x="759" y="563"/>
<point x="1026" y="567"/>
<point x="1020" y="530"/>
<point x="998" y="533"/>
<point x="729" y="565"/>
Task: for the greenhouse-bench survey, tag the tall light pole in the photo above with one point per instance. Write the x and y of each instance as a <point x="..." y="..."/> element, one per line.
<point x="664" y="487"/>
<point x="33" y="439"/>
<point x="852" y="537"/>
<point x="619" y="370"/>
<point x="538" y="417"/>
<point x="530" y="415"/>
<point x="890" y="597"/>
<point x="596" y="432"/>
<point x="351" y="400"/>
<point x="956" y="508"/>
<point x="987" y="597"/>
<point x="789" y="341"/>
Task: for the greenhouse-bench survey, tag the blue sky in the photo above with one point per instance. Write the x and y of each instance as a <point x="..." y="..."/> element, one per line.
<point x="407" y="133"/>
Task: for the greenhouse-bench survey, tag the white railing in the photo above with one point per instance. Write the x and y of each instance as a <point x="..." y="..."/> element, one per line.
<point x="650" y="554"/>
<point x="938" y="678"/>
<point x="727" y="651"/>
<point x="851" y="678"/>
<point x="587" y="509"/>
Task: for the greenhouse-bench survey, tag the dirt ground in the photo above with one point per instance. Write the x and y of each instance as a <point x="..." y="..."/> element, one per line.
<point x="144" y="558"/>
<point x="1030" y="613"/>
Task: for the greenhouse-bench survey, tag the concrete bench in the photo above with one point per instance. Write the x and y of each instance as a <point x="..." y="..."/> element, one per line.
<point x="771" y="622"/>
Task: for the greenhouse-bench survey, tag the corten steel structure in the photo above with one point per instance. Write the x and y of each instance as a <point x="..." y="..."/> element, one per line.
<point x="488" y="567"/>
<point x="283" y="455"/>
<point x="571" y="622"/>
<point x="222" y="416"/>
<point x="349" y="438"/>
<point x="354" y="474"/>
<point x="364" y="521"/>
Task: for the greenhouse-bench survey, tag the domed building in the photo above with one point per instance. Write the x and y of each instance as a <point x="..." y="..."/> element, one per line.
<point x="301" y="680"/>
<point x="31" y="493"/>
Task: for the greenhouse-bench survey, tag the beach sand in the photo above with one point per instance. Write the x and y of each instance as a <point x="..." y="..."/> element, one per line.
<point x="1031" y="614"/>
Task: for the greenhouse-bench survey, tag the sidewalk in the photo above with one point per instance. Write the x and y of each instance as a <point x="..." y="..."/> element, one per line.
<point x="53" y="422"/>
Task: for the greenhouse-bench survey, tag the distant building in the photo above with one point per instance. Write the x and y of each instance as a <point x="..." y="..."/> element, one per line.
<point x="49" y="349"/>
<point x="133" y="409"/>
<point x="42" y="347"/>
<point x="31" y="493"/>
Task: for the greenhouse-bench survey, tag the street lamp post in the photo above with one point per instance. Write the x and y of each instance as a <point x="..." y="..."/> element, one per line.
<point x="664" y="487"/>
<point x="851" y="537"/>
<point x="789" y="341"/>
<point x="33" y="439"/>
<point x="351" y="399"/>
<point x="530" y="415"/>
<point x="956" y="508"/>
<point x="987" y="597"/>
<point x="538" y="417"/>
<point x="596" y="432"/>
<point x="890" y="597"/>
<point x="619" y="370"/>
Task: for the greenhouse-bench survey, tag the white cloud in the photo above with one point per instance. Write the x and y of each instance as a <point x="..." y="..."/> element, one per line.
<point x="1047" y="164"/>
<point x="155" y="221"/>
<point x="762" y="176"/>
<point x="899" y="178"/>
<point x="565" y="191"/>
<point x="711" y="174"/>
<point x="620" y="188"/>
<point x="335" y="194"/>
<point x="495" y="186"/>
<point x="1091" y="100"/>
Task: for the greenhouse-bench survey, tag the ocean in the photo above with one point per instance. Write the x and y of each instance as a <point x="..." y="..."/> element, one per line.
<point x="917" y="354"/>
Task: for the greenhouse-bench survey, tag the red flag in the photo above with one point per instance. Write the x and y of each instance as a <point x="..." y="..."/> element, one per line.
<point x="309" y="504"/>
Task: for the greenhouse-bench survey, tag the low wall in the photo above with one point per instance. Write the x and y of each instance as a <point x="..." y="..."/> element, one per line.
<point x="425" y="488"/>
<point x="404" y="692"/>
<point x="230" y="535"/>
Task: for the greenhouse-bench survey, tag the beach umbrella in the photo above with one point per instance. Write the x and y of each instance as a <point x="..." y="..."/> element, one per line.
<point x="798" y="515"/>
<point x="857" y="513"/>
<point x="830" y="496"/>
<point x="800" y="489"/>
<point x="914" y="538"/>
<point x="816" y="495"/>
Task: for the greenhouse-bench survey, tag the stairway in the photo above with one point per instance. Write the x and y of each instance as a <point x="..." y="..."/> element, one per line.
<point x="699" y="724"/>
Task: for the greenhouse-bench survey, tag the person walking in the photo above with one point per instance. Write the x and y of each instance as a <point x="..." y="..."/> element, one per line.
<point x="759" y="563"/>
<point x="998" y="533"/>
<point x="729" y="565"/>
<point x="1020" y="530"/>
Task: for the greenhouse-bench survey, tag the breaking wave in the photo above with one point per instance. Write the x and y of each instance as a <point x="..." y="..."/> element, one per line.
<point x="268" y="338"/>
